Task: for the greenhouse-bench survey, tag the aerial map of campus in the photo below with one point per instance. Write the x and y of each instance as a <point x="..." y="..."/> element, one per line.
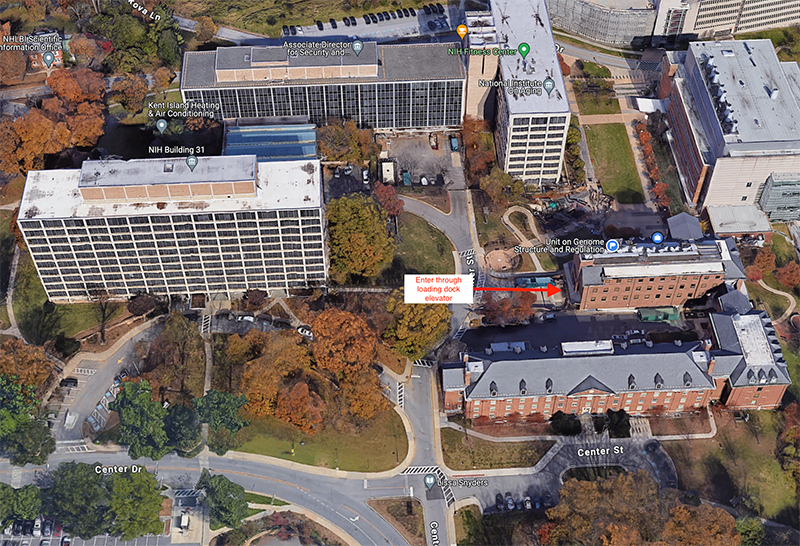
<point x="400" y="272"/>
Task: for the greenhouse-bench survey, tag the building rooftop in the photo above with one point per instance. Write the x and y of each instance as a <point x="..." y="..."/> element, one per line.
<point x="401" y="62"/>
<point x="527" y="21"/>
<point x="271" y="142"/>
<point x="172" y="170"/>
<point x="684" y="227"/>
<point x="747" y="78"/>
<point x="733" y="219"/>
<point x="623" y="4"/>
<point x="280" y="185"/>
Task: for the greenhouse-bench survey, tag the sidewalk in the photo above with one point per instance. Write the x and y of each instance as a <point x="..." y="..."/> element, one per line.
<point x="792" y="302"/>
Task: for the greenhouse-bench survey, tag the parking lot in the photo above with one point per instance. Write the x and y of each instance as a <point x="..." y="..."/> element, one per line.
<point x="415" y="155"/>
<point x="346" y="184"/>
<point x="102" y="540"/>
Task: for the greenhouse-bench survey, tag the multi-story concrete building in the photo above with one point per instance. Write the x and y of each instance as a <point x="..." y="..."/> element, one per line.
<point x="734" y="119"/>
<point x="406" y="86"/>
<point x="742" y="367"/>
<point x="628" y="22"/>
<point x="650" y="275"/>
<point x="532" y="123"/>
<point x="155" y="225"/>
<point x="780" y="198"/>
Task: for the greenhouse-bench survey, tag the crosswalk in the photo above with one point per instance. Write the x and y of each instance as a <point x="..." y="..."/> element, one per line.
<point x="401" y="395"/>
<point x="75" y="449"/>
<point x="187" y="493"/>
<point x="461" y="331"/>
<point x="205" y="325"/>
<point x="423" y="363"/>
<point x="449" y="497"/>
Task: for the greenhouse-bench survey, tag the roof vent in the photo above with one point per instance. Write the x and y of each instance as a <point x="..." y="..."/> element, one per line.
<point x="687" y="380"/>
<point x="493" y="388"/>
<point x="678" y="342"/>
<point x="624" y="345"/>
<point x="648" y="343"/>
<point x="523" y="387"/>
<point x="168" y="167"/>
<point x="631" y="382"/>
<point x="543" y="348"/>
<point x="517" y="349"/>
<point x="488" y="351"/>
<point x="548" y="386"/>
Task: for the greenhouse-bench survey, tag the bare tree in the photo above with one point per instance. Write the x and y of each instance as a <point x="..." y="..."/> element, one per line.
<point x="438" y="164"/>
<point x="104" y="307"/>
<point x="407" y="161"/>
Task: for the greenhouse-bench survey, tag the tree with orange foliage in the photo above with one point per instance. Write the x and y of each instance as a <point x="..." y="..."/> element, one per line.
<point x="81" y="46"/>
<point x="660" y="189"/>
<point x="342" y="341"/>
<point x="86" y="124"/>
<point x="641" y="127"/>
<point x="363" y="392"/>
<point x="788" y="275"/>
<point x="753" y="273"/>
<point x="655" y="174"/>
<point x="511" y="310"/>
<point x="300" y="407"/>
<point x="647" y="150"/>
<point x="765" y="260"/>
<point x="620" y="535"/>
<point x="12" y="66"/>
<point x="644" y="137"/>
<point x="664" y="201"/>
<point x="478" y="157"/>
<point x="707" y="525"/>
<point x="28" y="363"/>
<point x="130" y="91"/>
<point x="162" y="78"/>
<point x="75" y="86"/>
<point x="650" y="161"/>
<point x="387" y="197"/>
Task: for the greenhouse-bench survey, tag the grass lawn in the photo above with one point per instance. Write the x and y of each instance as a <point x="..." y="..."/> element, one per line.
<point x="268" y="18"/>
<point x="490" y="227"/>
<point x="381" y="445"/>
<point x="7" y="245"/>
<point x="775" y="303"/>
<point x="739" y="459"/>
<point x="793" y="365"/>
<point x="467" y="453"/>
<point x="142" y="117"/>
<point x="597" y="70"/>
<point x="29" y="296"/>
<point x="462" y="533"/>
<point x="600" y="102"/>
<point x="12" y="192"/>
<point x="783" y="249"/>
<point x="612" y="158"/>
<point x="5" y="322"/>
<point x="787" y="39"/>
<point x="255" y="498"/>
<point x="250" y="512"/>
<point x="423" y="249"/>
<point x="409" y="523"/>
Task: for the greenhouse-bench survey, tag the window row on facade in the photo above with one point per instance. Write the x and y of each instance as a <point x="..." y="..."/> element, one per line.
<point x="376" y="105"/>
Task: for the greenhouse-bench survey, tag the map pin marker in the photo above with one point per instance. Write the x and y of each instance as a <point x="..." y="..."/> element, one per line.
<point x="430" y="481"/>
<point x="192" y="162"/>
<point x="549" y="85"/>
<point x="358" y="45"/>
<point x="524" y="49"/>
<point x="462" y="30"/>
<point x="48" y="58"/>
<point x="161" y="125"/>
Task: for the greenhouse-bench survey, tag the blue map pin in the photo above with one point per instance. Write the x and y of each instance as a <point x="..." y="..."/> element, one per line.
<point x="161" y="125"/>
<point x="358" y="45"/>
<point x="430" y="481"/>
<point x="48" y="57"/>
<point x="657" y="237"/>
<point x="549" y="85"/>
<point x="612" y="245"/>
<point x="192" y="162"/>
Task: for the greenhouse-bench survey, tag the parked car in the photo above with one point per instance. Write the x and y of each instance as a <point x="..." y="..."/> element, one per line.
<point x="411" y="11"/>
<point x="527" y="503"/>
<point x="66" y="541"/>
<point x="285" y="30"/>
<point x="305" y="331"/>
<point x="453" y="143"/>
<point x="423" y="180"/>
<point x="406" y="12"/>
<point x="17" y="528"/>
<point x="366" y="19"/>
<point x="70" y="382"/>
<point x="27" y="528"/>
<point x="431" y="25"/>
<point x="549" y="317"/>
<point x="47" y="529"/>
<point x="380" y="16"/>
<point x="293" y="30"/>
<point x="433" y="140"/>
<point x="439" y="180"/>
<point x="348" y="169"/>
<point x="426" y="8"/>
<point x="10" y="529"/>
<point x="353" y="21"/>
<point x="299" y="30"/>
<point x="618" y="338"/>
<point x="498" y="502"/>
<point x="634" y="332"/>
<point x="510" y="501"/>
<point x="547" y="500"/>
<point x="337" y="172"/>
<point x="281" y="324"/>
<point x="365" y="176"/>
<point x="387" y="16"/>
<point x="373" y="17"/>
<point x="320" y="25"/>
<point x="400" y="13"/>
<point x="57" y="531"/>
<point x="346" y="22"/>
<point x="439" y="8"/>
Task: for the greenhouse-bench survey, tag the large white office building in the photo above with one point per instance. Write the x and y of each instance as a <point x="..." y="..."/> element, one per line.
<point x="532" y="124"/>
<point x="157" y="226"/>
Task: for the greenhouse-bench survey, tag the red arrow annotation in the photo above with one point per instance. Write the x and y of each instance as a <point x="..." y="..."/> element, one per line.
<point x="551" y="290"/>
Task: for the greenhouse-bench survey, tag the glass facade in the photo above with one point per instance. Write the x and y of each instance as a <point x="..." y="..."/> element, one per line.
<point x="376" y="105"/>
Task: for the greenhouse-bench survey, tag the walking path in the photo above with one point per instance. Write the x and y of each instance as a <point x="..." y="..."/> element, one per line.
<point x="521" y="236"/>
<point x="792" y="302"/>
<point x="13" y="330"/>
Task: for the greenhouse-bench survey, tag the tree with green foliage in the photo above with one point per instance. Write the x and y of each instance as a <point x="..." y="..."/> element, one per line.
<point x="500" y="185"/>
<point x="573" y="136"/>
<point x="6" y="502"/>
<point x="182" y="425"/>
<point x="168" y="50"/>
<point x="416" y="327"/>
<point x="359" y="239"/>
<point x="205" y="29"/>
<point x="751" y="530"/>
<point x="17" y="404"/>
<point x="78" y="499"/>
<point x="225" y="499"/>
<point x="31" y="442"/>
<point x="27" y="503"/>
<point x="177" y="355"/>
<point x="565" y="424"/>
<point x="127" y="32"/>
<point x="134" y="505"/>
<point x="141" y="421"/>
<point x="221" y="409"/>
<point x="619" y="424"/>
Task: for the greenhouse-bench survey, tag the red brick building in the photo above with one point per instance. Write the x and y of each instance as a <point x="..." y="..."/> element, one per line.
<point x="650" y="275"/>
<point x="742" y="367"/>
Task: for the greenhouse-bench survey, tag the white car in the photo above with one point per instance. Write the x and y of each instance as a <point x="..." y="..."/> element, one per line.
<point x="37" y="527"/>
<point x="305" y="331"/>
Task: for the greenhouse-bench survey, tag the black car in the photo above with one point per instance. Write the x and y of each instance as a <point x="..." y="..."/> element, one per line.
<point x="431" y="25"/>
<point x="346" y="22"/>
<point x="320" y="26"/>
<point x="499" y="503"/>
<point x="426" y="8"/>
<point x="353" y="21"/>
<point x="400" y="13"/>
<point x="70" y="382"/>
<point x="412" y="12"/>
<point x="16" y="529"/>
<point x="393" y="14"/>
<point x="292" y="30"/>
<point x="333" y="23"/>
<point x="27" y="528"/>
<point x="380" y="16"/>
<point x="406" y="12"/>
<point x="285" y="30"/>
<point x="440" y="8"/>
<point x="366" y="19"/>
<point x="373" y="17"/>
